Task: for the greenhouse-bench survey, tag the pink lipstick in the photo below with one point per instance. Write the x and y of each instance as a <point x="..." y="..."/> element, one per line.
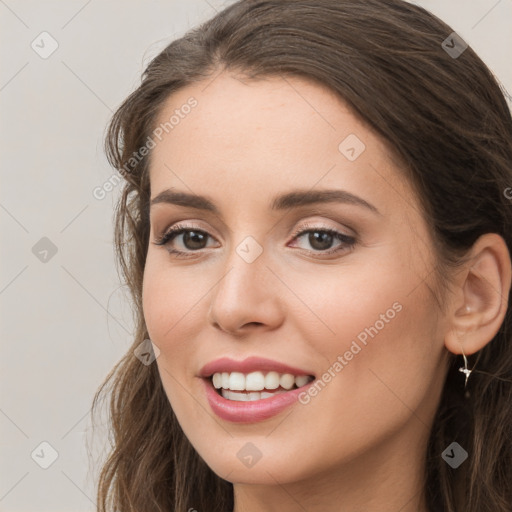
<point x="254" y="389"/>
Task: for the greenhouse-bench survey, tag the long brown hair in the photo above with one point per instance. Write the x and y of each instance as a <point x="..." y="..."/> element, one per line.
<point x="443" y="115"/>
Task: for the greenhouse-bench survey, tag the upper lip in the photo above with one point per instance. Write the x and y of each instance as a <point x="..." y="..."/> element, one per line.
<point x="251" y="364"/>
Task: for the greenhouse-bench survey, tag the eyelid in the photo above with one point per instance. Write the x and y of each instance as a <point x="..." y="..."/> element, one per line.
<point x="314" y="224"/>
<point x="349" y="233"/>
<point x="177" y="226"/>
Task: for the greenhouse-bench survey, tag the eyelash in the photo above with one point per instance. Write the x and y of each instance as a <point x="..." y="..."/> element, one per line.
<point x="347" y="241"/>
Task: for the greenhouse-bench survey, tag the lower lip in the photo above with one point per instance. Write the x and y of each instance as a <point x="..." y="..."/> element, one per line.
<point x="250" y="412"/>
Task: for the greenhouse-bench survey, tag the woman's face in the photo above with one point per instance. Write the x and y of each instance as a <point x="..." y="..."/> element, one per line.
<point x="354" y="310"/>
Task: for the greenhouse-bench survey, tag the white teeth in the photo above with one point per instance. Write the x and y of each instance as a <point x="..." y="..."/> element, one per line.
<point x="231" y="395"/>
<point x="301" y="380"/>
<point x="287" y="381"/>
<point x="237" y="381"/>
<point x="217" y="380"/>
<point x="257" y="381"/>
<point x="272" y="380"/>
<point x="249" y="397"/>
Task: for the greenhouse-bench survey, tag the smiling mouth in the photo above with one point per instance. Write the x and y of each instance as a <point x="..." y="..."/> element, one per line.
<point x="240" y="387"/>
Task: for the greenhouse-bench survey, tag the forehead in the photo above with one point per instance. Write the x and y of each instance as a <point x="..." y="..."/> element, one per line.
<point x="257" y="138"/>
<point x="271" y="110"/>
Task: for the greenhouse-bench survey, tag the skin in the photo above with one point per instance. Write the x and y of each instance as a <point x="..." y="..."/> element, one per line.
<point x="359" y="443"/>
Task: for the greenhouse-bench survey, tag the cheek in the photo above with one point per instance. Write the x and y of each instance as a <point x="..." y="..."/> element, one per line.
<point x="377" y="335"/>
<point x="171" y="311"/>
<point x="168" y="300"/>
<point x="170" y="318"/>
<point x="374" y="309"/>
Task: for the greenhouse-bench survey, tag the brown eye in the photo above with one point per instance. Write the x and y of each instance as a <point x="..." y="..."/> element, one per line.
<point x="322" y="239"/>
<point x="192" y="240"/>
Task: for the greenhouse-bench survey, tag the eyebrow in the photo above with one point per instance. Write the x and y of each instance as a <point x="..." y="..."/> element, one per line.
<point x="288" y="201"/>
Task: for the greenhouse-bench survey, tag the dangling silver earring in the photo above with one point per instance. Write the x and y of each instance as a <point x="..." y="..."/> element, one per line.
<point x="466" y="371"/>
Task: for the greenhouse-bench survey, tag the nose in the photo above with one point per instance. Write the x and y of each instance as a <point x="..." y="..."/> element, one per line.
<point x="248" y="296"/>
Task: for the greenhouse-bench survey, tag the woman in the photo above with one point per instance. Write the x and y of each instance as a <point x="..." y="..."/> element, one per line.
<point x="316" y="233"/>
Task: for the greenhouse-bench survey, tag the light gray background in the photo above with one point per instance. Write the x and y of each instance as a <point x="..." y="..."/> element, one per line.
<point x="66" y="321"/>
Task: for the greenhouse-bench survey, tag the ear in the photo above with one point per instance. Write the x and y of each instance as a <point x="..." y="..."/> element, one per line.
<point x="481" y="298"/>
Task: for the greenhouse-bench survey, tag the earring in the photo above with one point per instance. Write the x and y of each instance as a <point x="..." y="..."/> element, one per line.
<point x="467" y="372"/>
